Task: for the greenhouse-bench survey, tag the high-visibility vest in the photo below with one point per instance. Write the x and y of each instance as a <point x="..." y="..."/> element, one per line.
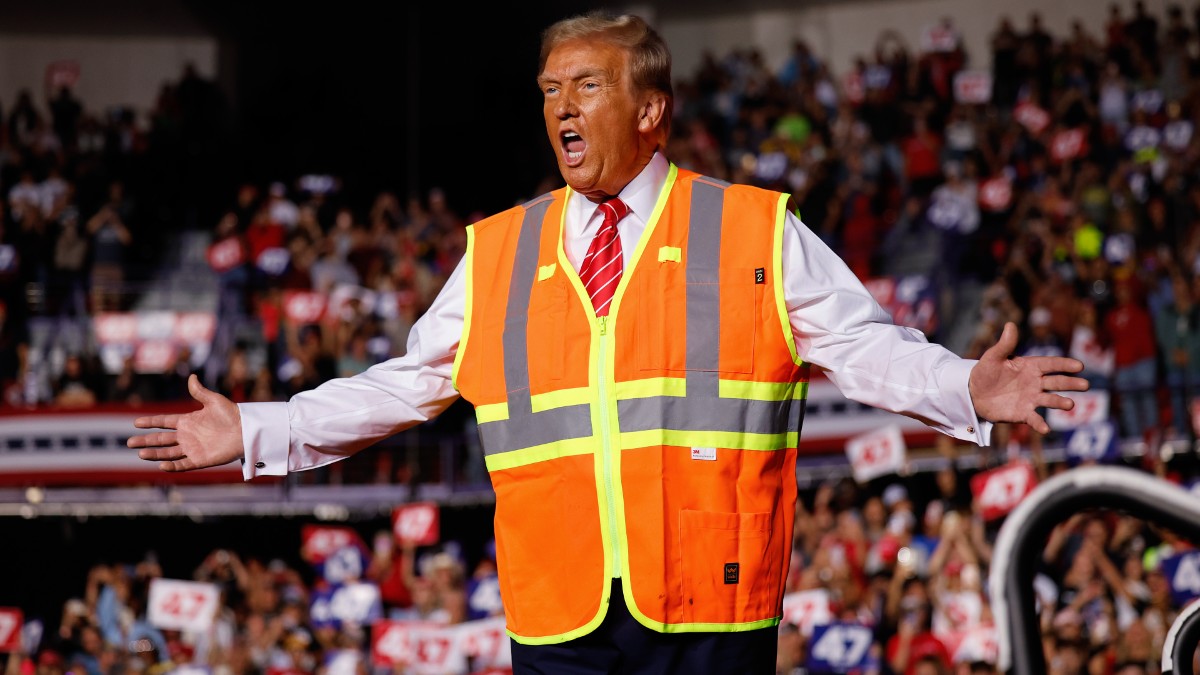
<point x="657" y="444"/>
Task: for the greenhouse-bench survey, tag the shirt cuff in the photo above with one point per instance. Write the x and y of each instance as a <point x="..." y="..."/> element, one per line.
<point x="954" y="382"/>
<point x="265" y="435"/>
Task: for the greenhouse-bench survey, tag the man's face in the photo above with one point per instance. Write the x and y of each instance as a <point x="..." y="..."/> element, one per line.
<point x="592" y="114"/>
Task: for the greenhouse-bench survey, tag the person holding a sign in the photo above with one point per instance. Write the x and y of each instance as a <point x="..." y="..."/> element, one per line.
<point x="637" y="347"/>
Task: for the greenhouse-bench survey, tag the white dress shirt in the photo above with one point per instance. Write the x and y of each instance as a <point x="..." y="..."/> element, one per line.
<point x="836" y="322"/>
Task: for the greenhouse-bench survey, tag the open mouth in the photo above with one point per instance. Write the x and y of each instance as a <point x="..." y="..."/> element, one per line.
<point x="573" y="146"/>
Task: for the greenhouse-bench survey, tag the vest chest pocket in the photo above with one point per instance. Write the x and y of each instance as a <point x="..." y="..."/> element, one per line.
<point x="697" y="319"/>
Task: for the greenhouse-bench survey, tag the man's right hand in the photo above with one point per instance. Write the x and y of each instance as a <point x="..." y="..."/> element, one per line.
<point x="210" y="436"/>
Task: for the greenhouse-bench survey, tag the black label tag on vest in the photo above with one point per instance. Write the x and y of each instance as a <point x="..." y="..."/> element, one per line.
<point x="760" y="275"/>
<point x="731" y="573"/>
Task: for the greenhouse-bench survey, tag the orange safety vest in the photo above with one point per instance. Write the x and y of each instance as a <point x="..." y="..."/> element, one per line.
<point x="657" y="444"/>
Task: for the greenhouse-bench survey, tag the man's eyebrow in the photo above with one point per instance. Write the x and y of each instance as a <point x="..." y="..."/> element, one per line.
<point x="581" y="74"/>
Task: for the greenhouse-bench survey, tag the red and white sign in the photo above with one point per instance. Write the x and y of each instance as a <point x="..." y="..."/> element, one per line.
<point x="976" y="644"/>
<point x="226" y="254"/>
<point x="939" y="38"/>
<point x="182" y="605"/>
<point x="304" y="307"/>
<point x="877" y="453"/>
<point x="194" y="327"/>
<point x="806" y="609"/>
<point x="1068" y="144"/>
<point x="318" y="542"/>
<point x="1090" y="407"/>
<point x="1033" y="118"/>
<point x="432" y="649"/>
<point x="999" y="490"/>
<point x="61" y="74"/>
<point x="957" y="611"/>
<point x="416" y="524"/>
<point x="11" y="620"/>
<point x="995" y="194"/>
<point x="973" y="86"/>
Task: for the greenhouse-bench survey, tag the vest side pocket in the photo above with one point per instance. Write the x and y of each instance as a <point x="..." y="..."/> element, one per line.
<point x="723" y="560"/>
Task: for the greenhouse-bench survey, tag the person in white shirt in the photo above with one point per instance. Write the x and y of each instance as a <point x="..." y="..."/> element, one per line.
<point x="603" y="151"/>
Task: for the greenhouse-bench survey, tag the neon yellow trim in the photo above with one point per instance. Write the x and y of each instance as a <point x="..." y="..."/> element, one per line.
<point x="653" y="386"/>
<point x="736" y="440"/>
<point x="670" y="254"/>
<point x="611" y="404"/>
<point x="560" y="399"/>
<point x="539" y="453"/>
<point x="468" y="279"/>
<point x="762" y="391"/>
<point x="777" y="264"/>
<point x="546" y="271"/>
<point x="692" y="627"/>
<point x="491" y="412"/>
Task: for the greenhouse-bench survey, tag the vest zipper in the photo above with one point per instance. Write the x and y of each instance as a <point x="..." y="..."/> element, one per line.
<point x="606" y="441"/>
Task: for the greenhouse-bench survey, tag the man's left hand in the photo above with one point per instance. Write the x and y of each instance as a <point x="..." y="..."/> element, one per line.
<point x="1007" y="389"/>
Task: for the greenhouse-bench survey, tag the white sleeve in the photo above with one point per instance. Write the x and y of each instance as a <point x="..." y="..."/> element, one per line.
<point x="838" y="325"/>
<point x="345" y="415"/>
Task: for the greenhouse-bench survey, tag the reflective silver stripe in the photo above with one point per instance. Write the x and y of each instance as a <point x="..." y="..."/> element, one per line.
<point x="703" y="409"/>
<point x="525" y="428"/>
<point x="703" y="413"/>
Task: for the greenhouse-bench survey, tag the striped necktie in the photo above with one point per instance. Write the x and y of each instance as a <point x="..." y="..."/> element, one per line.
<point x="601" y="268"/>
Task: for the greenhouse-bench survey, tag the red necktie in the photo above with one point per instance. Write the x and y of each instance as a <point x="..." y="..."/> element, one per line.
<point x="601" y="267"/>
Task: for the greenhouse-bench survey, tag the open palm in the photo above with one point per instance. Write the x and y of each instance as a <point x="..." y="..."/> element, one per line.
<point x="210" y="436"/>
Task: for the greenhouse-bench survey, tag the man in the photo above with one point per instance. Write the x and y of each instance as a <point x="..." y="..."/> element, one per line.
<point x="638" y="369"/>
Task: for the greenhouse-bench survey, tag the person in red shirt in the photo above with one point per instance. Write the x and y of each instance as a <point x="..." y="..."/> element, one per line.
<point x="1135" y="358"/>
<point x="922" y="158"/>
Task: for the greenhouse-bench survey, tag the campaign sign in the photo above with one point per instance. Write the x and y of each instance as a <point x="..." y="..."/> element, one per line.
<point x="999" y="490"/>
<point x="318" y="542"/>
<point x="1090" y="407"/>
<point x="1183" y="574"/>
<point x="11" y="619"/>
<point x="1068" y="144"/>
<point x="839" y="648"/>
<point x="356" y="603"/>
<point x="345" y="564"/>
<point x="416" y="524"/>
<point x="876" y="453"/>
<point x="1093" y="442"/>
<point x="976" y="644"/>
<point x="1034" y="119"/>
<point x="483" y="597"/>
<point x="807" y="609"/>
<point x="996" y="194"/>
<point x="182" y="605"/>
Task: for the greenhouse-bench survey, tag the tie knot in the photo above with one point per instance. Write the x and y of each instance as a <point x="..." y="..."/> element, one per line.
<point x="614" y="210"/>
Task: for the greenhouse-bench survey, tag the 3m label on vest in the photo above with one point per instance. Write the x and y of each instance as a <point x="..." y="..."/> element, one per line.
<point x="731" y="573"/>
<point x="760" y="275"/>
<point x="709" y="454"/>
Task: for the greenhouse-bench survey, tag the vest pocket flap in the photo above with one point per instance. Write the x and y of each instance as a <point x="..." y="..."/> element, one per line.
<point x="717" y="520"/>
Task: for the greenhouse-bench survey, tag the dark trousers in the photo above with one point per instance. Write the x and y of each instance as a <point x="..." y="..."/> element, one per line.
<point x="622" y="646"/>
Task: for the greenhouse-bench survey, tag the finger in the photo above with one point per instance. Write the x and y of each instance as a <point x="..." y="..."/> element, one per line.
<point x="157" y="422"/>
<point x="1057" y="364"/>
<point x="181" y="464"/>
<point x="160" y="439"/>
<point x="1048" y="400"/>
<point x="167" y="454"/>
<point x="1064" y="383"/>
<point x="199" y="391"/>
<point x="1005" y="345"/>
<point x="1039" y="425"/>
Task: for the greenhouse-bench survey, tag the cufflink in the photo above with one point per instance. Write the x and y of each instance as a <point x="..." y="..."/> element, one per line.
<point x="970" y="430"/>
<point x="260" y="465"/>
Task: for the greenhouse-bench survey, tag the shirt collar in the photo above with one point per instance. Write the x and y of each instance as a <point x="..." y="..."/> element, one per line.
<point x="640" y="194"/>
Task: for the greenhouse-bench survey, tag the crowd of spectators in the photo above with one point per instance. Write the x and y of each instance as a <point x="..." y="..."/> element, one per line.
<point x="1066" y="199"/>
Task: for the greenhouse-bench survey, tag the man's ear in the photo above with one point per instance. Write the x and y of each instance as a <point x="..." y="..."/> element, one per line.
<point x="654" y="109"/>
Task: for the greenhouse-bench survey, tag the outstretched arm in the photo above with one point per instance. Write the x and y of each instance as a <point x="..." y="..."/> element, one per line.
<point x="1005" y="389"/>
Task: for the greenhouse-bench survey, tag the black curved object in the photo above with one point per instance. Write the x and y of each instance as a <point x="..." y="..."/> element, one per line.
<point x="1026" y="529"/>
<point x="1179" y="648"/>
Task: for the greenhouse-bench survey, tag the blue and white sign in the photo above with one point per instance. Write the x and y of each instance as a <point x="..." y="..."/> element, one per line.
<point x="840" y="648"/>
<point x="1183" y="573"/>
<point x="357" y="603"/>
<point x="1093" y="442"/>
<point x="347" y="563"/>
